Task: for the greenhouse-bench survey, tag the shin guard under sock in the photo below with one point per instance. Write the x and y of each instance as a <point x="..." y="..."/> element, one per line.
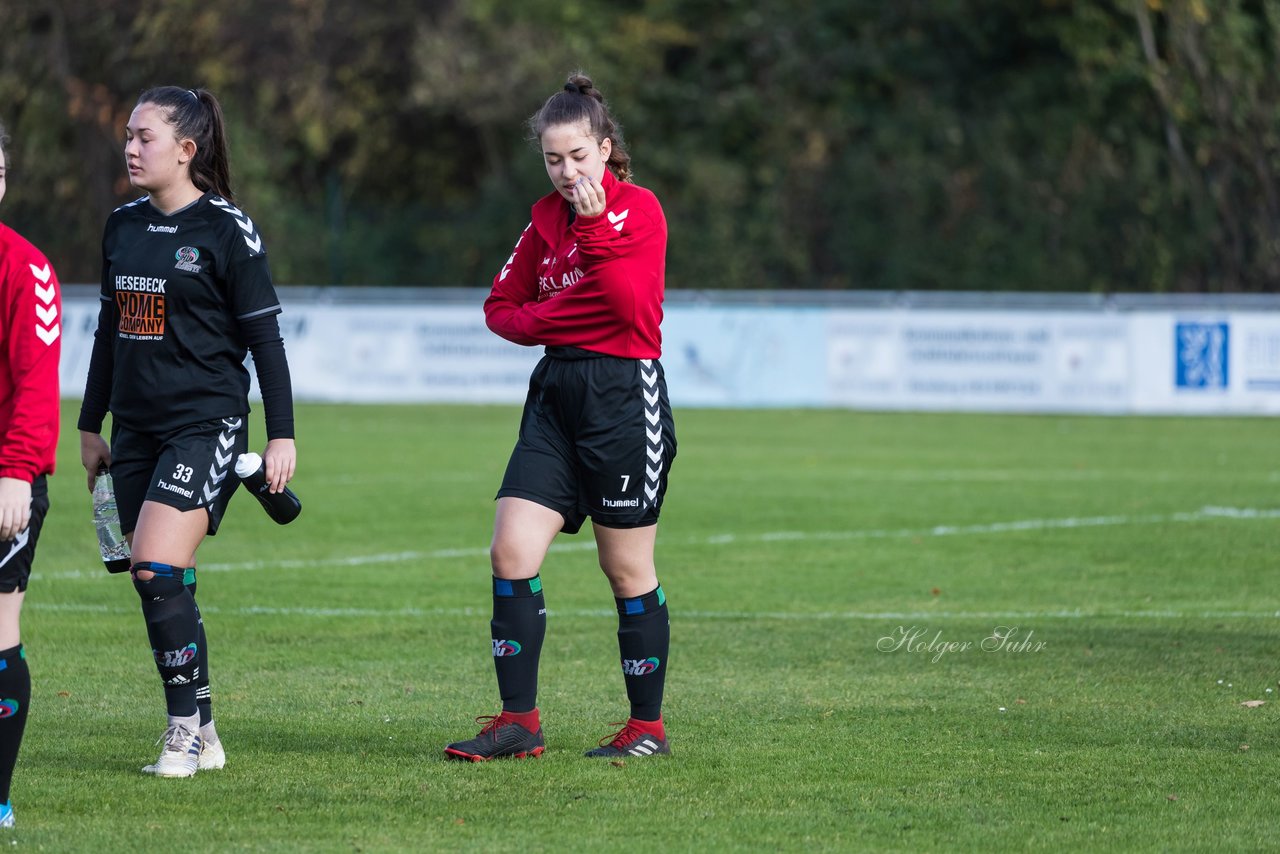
<point x="174" y="629"/>
<point x="204" y="699"/>
<point x="519" y="624"/>
<point x="644" y="637"/>
<point x="15" y="697"/>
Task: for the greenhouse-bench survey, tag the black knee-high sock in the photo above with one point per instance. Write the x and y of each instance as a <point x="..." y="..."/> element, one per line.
<point x="173" y="627"/>
<point x="15" y="697"/>
<point x="644" y="637"/>
<point x="204" y="699"/>
<point x="518" y="626"/>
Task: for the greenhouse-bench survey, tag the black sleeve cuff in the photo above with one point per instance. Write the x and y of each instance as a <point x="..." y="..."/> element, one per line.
<point x="97" y="387"/>
<point x="262" y="335"/>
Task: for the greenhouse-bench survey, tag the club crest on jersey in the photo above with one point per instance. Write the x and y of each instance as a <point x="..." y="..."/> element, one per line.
<point x="187" y="257"/>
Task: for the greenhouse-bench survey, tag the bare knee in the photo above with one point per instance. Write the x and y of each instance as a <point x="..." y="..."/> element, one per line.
<point x="630" y="578"/>
<point x="511" y="562"/>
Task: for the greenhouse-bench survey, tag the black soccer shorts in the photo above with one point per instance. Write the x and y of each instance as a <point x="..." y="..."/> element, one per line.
<point x="190" y="468"/>
<point x="17" y="554"/>
<point x="596" y="439"/>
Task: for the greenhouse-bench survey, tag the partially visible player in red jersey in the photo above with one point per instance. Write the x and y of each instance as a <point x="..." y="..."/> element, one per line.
<point x="597" y="438"/>
<point x="31" y="326"/>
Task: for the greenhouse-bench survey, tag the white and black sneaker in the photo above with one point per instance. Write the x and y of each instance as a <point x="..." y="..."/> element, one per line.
<point x="634" y="739"/>
<point x="180" y="756"/>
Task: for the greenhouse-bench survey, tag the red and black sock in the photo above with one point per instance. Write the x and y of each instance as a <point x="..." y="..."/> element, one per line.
<point x="15" y="697"/>
<point x="644" y="638"/>
<point x="518" y="626"/>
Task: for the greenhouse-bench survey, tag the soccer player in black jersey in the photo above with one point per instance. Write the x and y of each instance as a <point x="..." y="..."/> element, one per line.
<point x="185" y="292"/>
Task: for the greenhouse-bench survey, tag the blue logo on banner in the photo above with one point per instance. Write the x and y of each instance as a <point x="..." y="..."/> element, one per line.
<point x="1201" y="355"/>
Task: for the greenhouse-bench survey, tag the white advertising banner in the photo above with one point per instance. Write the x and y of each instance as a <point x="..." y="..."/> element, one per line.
<point x="751" y="356"/>
<point x="79" y="320"/>
<point x="978" y="360"/>
<point x="745" y="356"/>
<point x="1208" y="362"/>
<point x="400" y="354"/>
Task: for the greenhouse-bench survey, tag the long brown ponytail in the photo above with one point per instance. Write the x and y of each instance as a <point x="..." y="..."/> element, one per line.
<point x="196" y="115"/>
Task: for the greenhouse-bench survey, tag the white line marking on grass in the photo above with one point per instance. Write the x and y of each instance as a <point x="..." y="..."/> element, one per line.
<point x="1204" y="514"/>
<point x="1041" y="475"/>
<point x="608" y="613"/>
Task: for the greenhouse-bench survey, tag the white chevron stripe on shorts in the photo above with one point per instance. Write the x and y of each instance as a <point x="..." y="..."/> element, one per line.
<point x="221" y="464"/>
<point x="19" y="543"/>
<point x="653" y="433"/>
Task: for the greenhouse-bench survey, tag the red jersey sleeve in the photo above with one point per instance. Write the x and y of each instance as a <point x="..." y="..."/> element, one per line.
<point x="619" y="234"/>
<point x="514" y="288"/>
<point x="32" y="326"/>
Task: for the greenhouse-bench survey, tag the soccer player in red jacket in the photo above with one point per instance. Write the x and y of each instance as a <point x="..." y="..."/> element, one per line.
<point x="31" y="326"/>
<point x="596" y="438"/>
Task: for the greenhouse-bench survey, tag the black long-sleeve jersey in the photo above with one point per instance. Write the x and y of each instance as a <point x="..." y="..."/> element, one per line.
<point x="184" y="297"/>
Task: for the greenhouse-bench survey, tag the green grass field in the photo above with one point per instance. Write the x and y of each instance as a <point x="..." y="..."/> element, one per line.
<point x="832" y="578"/>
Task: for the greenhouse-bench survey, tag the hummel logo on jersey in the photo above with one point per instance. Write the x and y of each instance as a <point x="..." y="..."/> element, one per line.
<point x="162" y="229"/>
<point x="617" y="219"/>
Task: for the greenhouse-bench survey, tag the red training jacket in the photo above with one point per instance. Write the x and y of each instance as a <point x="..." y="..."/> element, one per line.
<point x="31" y="326"/>
<point x="596" y="284"/>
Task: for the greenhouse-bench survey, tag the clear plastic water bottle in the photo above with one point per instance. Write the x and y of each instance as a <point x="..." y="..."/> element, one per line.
<point x="106" y="519"/>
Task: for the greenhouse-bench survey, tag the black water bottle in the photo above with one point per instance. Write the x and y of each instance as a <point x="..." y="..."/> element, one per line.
<point x="283" y="506"/>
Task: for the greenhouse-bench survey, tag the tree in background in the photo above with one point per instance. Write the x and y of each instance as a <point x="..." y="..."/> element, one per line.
<point x="1103" y="145"/>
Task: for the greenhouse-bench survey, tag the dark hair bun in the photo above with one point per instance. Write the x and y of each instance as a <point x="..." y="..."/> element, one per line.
<point x="581" y="84"/>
